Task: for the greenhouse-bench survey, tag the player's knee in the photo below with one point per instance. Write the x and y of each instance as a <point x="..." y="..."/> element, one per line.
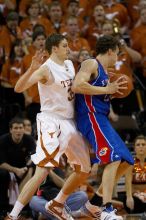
<point x="40" y="174"/>
<point x="84" y="171"/>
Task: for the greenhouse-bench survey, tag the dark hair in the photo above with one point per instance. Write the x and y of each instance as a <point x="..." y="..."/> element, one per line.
<point x="15" y="120"/>
<point x="2" y="19"/>
<point x="54" y="4"/>
<point x="38" y="27"/>
<point x="139" y="137"/>
<point x="33" y="2"/>
<point x="106" y="42"/>
<point x="53" y="40"/>
<point x="17" y="42"/>
<point x="12" y="15"/>
<point x="38" y="33"/>
<point x="73" y="1"/>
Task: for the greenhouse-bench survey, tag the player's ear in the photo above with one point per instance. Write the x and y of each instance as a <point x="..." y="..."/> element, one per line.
<point x="54" y="49"/>
<point x="109" y="52"/>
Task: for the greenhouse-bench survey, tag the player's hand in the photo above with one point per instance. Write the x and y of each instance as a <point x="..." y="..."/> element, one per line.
<point x="38" y="59"/>
<point x="130" y="203"/>
<point x="117" y="86"/>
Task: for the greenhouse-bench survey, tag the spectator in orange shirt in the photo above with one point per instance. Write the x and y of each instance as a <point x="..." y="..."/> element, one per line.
<point x="33" y="18"/>
<point x="74" y="40"/>
<point x="135" y="201"/>
<point x="10" y="32"/>
<point x="134" y="7"/>
<point x="56" y="20"/>
<point x="83" y="6"/>
<point x="12" y="23"/>
<point x="133" y="10"/>
<point x="11" y="71"/>
<point x="119" y="11"/>
<point x="23" y="5"/>
<point x="31" y="96"/>
<point x="138" y="39"/>
<point x="6" y="6"/>
<point x="95" y="25"/>
<point x="73" y="9"/>
<point x="114" y="10"/>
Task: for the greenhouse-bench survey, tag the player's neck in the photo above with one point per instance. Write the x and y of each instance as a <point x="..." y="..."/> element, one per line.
<point x="102" y="59"/>
<point x="57" y="59"/>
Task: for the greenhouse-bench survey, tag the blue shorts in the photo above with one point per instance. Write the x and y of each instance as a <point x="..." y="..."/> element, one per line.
<point x="106" y="143"/>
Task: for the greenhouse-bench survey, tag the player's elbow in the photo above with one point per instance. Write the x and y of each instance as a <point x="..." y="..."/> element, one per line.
<point x="18" y="88"/>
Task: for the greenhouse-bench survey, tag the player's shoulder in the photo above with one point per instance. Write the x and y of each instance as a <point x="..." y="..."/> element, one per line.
<point x="68" y="62"/>
<point x="90" y="61"/>
<point x="90" y="65"/>
<point x="69" y="65"/>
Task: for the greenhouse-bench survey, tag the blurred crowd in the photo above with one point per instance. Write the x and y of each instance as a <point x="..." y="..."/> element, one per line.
<point x="24" y="27"/>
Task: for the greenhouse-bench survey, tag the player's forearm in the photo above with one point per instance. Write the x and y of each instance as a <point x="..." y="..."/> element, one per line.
<point x="135" y="55"/>
<point x="8" y="167"/>
<point x="87" y="89"/>
<point x="23" y="82"/>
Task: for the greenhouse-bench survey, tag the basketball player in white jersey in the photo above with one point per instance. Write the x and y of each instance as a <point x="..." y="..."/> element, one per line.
<point x="57" y="133"/>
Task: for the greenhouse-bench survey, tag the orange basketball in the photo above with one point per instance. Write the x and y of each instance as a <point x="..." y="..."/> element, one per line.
<point x="129" y="85"/>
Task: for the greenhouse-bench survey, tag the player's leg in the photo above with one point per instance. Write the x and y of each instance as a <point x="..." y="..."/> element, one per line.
<point x="108" y="181"/>
<point x="78" y="157"/>
<point x="122" y="169"/>
<point x="28" y="191"/>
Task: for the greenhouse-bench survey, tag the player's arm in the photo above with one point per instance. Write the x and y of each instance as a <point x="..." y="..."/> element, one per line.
<point x="81" y="83"/>
<point x="30" y="77"/>
<point x="35" y="73"/>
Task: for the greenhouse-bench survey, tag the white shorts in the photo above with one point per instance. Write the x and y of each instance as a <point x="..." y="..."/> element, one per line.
<point x="58" y="136"/>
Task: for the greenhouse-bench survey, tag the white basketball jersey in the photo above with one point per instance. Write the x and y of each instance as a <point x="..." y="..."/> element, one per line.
<point x="57" y="98"/>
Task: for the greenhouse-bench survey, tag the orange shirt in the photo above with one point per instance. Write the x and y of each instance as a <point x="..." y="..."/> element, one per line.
<point x="5" y="41"/>
<point x="11" y="72"/>
<point x="138" y="41"/>
<point x="26" y="25"/>
<point x="139" y="173"/>
<point x="32" y="91"/>
<point x="78" y="43"/>
<point x="83" y="7"/>
<point x="23" y="5"/>
<point x="124" y="64"/>
<point x="138" y="33"/>
<point x="18" y="34"/>
<point x="121" y="10"/>
<point x="4" y="8"/>
<point x="92" y="33"/>
<point x="132" y="7"/>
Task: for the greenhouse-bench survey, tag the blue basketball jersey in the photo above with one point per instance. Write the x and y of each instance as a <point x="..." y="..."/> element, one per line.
<point x="92" y="121"/>
<point x="94" y="103"/>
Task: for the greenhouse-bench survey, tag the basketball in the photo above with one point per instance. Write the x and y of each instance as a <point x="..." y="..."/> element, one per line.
<point x="129" y="85"/>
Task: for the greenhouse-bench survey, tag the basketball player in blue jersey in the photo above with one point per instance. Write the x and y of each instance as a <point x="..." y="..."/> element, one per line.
<point x="92" y="106"/>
